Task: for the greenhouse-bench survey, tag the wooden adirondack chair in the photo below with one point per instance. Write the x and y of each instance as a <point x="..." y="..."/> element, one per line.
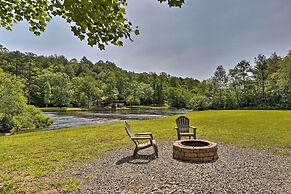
<point x="183" y="128"/>
<point x="139" y="146"/>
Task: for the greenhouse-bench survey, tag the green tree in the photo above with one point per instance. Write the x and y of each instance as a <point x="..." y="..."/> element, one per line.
<point x="92" y="89"/>
<point x="284" y="81"/>
<point x="220" y="79"/>
<point x="235" y="84"/>
<point x="12" y="98"/>
<point x="71" y="69"/>
<point x="243" y="68"/>
<point x="146" y="93"/>
<point x="203" y="88"/>
<point x="39" y="89"/>
<point x="132" y="100"/>
<point x="158" y="85"/>
<point x="260" y="72"/>
<point x="3" y="49"/>
<point x="78" y="97"/>
<point x="159" y="93"/>
<point x="133" y="93"/>
<point x="16" y="114"/>
<point x="240" y="82"/>
<point x="86" y="90"/>
<point x="273" y="70"/>
<point x="47" y="94"/>
<point x="178" y="97"/>
<point x="29" y="72"/>
<point x="98" y="21"/>
<point x="219" y="83"/>
<point x="199" y="102"/>
<point x="61" y="89"/>
<point x="109" y="80"/>
<point x="174" y="82"/>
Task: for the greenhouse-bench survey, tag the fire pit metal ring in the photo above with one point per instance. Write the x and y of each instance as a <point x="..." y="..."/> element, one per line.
<point x="195" y="150"/>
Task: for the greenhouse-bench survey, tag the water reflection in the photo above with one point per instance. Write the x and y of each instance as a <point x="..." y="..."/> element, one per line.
<point x="78" y="118"/>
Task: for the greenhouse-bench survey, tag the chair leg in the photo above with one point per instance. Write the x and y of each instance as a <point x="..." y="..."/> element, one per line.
<point x="156" y="150"/>
<point x="135" y="152"/>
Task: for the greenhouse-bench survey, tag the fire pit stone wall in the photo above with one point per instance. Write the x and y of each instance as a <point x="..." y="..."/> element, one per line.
<point x="202" y="153"/>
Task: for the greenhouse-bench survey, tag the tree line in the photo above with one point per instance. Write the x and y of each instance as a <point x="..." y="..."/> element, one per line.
<point x="266" y="85"/>
<point x="57" y="81"/>
<point x="28" y="80"/>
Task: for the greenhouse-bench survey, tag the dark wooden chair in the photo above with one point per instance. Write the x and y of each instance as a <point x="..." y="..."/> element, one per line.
<point x="137" y="137"/>
<point x="183" y="128"/>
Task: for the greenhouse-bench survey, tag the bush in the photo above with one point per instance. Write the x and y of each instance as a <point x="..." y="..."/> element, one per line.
<point x="6" y="122"/>
<point x="217" y="103"/>
<point x="15" y="113"/>
<point x="199" y="102"/>
<point x="132" y="100"/>
<point x="31" y="117"/>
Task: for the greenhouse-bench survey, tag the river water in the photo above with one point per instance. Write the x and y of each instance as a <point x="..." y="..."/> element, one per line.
<point x="78" y="118"/>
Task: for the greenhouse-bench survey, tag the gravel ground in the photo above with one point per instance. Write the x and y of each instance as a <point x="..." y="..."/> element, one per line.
<point x="237" y="170"/>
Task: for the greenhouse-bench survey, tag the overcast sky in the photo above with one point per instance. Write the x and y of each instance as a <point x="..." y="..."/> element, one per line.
<point x="190" y="41"/>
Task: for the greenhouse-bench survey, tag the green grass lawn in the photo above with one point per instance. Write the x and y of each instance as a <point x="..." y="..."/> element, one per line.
<point x="39" y="160"/>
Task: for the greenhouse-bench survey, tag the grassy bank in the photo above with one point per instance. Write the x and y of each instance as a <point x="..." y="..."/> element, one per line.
<point x="39" y="160"/>
<point x="63" y="109"/>
<point x="150" y="107"/>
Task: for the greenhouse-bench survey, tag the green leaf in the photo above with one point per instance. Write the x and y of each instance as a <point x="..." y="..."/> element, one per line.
<point x="68" y="3"/>
<point x="101" y="46"/>
<point x="137" y="32"/>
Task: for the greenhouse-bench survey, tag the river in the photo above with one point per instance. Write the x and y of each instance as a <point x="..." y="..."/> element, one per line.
<point x="78" y="118"/>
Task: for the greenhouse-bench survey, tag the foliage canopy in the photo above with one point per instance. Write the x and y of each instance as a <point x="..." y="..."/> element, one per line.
<point x="15" y="113"/>
<point x="99" y="21"/>
<point x="57" y="81"/>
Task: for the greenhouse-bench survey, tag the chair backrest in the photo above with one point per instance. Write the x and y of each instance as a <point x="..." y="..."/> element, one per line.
<point x="129" y="132"/>
<point x="183" y="124"/>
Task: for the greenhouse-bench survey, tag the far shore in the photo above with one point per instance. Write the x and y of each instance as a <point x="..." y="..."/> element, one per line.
<point x="64" y="109"/>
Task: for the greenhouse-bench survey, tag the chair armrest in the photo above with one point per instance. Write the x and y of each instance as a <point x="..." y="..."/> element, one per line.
<point x="141" y="138"/>
<point x="146" y="133"/>
<point x="193" y="127"/>
<point x="176" y="128"/>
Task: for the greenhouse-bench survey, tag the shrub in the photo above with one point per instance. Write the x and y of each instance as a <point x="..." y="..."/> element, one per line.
<point x="6" y="122"/>
<point x="31" y="117"/>
<point x="15" y="113"/>
<point x="199" y="102"/>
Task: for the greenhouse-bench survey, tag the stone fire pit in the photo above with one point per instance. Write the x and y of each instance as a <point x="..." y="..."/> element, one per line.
<point x="195" y="150"/>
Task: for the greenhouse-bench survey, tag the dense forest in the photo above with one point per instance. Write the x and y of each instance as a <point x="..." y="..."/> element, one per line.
<point x="57" y="81"/>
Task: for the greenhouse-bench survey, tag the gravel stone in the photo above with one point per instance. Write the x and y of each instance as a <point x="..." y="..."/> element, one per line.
<point x="237" y="170"/>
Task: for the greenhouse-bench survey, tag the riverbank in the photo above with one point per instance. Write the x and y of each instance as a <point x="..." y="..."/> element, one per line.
<point x="65" y="109"/>
<point x="150" y="107"/>
<point x="38" y="160"/>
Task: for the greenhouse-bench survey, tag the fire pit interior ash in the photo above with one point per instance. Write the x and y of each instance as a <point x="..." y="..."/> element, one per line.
<point x="196" y="143"/>
<point x="195" y="150"/>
